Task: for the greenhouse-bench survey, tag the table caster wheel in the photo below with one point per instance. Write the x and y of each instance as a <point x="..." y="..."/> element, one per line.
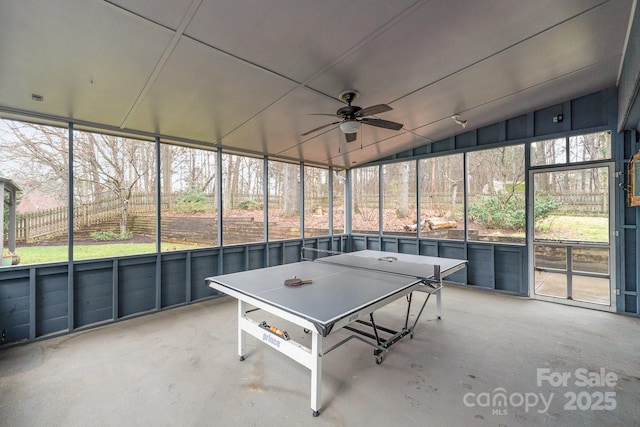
<point x="242" y="358"/>
<point x="378" y="355"/>
<point x="316" y="413"/>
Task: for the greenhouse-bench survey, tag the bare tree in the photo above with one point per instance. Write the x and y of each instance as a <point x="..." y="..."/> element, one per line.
<point x="37" y="157"/>
<point x="115" y="165"/>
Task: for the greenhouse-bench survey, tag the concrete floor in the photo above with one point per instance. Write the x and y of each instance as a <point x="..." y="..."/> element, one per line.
<point x="586" y="289"/>
<point x="180" y="368"/>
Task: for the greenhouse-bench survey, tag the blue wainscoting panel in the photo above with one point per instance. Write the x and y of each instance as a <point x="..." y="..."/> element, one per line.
<point x="14" y="305"/>
<point x="93" y="292"/>
<point x="172" y="278"/>
<point x="52" y="300"/>
<point x="137" y="285"/>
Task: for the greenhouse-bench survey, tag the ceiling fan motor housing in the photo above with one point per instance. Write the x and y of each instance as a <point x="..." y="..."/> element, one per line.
<point x="348" y="112"/>
<point x="349" y="96"/>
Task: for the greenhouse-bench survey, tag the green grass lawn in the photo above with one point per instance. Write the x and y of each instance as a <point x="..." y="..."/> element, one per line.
<point x="581" y="228"/>
<point x="44" y="254"/>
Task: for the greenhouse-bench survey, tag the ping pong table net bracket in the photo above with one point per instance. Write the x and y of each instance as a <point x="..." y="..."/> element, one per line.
<point x="435" y="282"/>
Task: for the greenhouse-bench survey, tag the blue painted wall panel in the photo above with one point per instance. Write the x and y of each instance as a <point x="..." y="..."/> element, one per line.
<point x="455" y="250"/>
<point x="256" y="257"/>
<point x="631" y="272"/>
<point x="480" y="271"/>
<point x="389" y="244"/>
<point x="428" y="247"/>
<point x="518" y="128"/>
<point x="408" y="246"/>
<point x="631" y="304"/>
<point x="358" y="243"/>
<point x="275" y="254"/>
<point x="292" y="252"/>
<point x="233" y="260"/>
<point x="587" y="111"/>
<point x="93" y="299"/>
<point x="491" y="134"/>
<point x="136" y="288"/>
<point x="52" y="302"/>
<point x="467" y="139"/>
<point x="509" y="269"/>
<point x="14" y="309"/>
<point x="173" y="282"/>
<point x="203" y="266"/>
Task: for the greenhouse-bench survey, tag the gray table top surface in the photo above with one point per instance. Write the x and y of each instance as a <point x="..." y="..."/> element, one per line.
<point x="336" y="290"/>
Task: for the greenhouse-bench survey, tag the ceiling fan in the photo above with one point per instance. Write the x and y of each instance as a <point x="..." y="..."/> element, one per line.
<point x="352" y="116"/>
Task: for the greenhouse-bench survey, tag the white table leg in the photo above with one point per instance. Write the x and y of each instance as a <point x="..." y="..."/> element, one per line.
<point x="241" y="333"/>
<point x="439" y="302"/>
<point x="316" y="372"/>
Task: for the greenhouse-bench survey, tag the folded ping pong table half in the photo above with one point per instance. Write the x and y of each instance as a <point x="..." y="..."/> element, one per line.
<point x="346" y="290"/>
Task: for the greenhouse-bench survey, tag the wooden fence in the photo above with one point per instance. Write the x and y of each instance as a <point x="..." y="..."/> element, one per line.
<point x="54" y="222"/>
<point x="49" y="223"/>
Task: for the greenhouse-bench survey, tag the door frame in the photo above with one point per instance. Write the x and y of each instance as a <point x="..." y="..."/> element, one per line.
<point x="612" y="307"/>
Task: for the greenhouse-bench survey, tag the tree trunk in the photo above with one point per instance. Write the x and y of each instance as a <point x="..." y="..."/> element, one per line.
<point x="403" y="203"/>
<point x="454" y="194"/>
<point x="291" y="205"/>
<point x="124" y="216"/>
<point x="167" y="164"/>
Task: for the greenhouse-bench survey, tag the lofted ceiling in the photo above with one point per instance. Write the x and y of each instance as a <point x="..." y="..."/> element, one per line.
<point x="246" y="75"/>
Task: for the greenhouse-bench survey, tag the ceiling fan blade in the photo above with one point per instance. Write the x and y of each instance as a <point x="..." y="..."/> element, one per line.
<point x="374" y="109"/>
<point x="318" y="128"/>
<point x="382" y="123"/>
<point x="323" y="114"/>
<point x="350" y="136"/>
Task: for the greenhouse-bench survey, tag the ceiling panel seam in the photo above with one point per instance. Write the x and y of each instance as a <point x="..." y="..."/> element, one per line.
<point x="498" y="52"/>
<point x="131" y="12"/>
<point x="482" y="104"/>
<point x="392" y="22"/>
<point x="193" y="8"/>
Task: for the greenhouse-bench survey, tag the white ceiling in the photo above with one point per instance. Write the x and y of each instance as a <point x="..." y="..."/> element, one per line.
<point x="247" y="74"/>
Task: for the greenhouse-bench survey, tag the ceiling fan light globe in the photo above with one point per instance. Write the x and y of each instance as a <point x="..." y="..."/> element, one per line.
<point x="350" y="126"/>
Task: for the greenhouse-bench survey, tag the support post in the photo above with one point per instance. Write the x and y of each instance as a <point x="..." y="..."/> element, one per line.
<point x="316" y="372"/>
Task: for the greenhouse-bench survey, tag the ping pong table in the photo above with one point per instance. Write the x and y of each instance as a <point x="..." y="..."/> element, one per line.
<point x="345" y="291"/>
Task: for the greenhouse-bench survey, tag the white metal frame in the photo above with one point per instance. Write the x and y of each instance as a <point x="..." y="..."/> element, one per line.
<point x="311" y="358"/>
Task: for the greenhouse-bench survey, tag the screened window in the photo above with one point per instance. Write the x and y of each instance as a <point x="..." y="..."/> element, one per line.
<point x="339" y="181"/>
<point x="365" y="200"/>
<point x="442" y="197"/>
<point x="242" y="199"/>
<point x="550" y="152"/>
<point x="34" y="167"/>
<point x="593" y="146"/>
<point x="284" y="201"/>
<point x="189" y="217"/>
<point x="316" y="202"/>
<point x="496" y="198"/>
<point x="574" y="149"/>
<point x="114" y="196"/>
<point x="399" y="198"/>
